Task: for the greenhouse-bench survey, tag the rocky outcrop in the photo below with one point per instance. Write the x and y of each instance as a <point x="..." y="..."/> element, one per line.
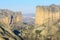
<point x="10" y="17"/>
<point x="8" y="20"/>
<point x="46" y="14"/>
<point x="6" y="33"/>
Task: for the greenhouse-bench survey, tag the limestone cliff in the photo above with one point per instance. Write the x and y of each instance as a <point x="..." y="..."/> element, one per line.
<point x="10" y="17"/>
<point x="46" y="14"/>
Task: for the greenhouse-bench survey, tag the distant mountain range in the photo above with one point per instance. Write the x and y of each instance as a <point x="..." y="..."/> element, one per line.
<point x="29" y="14"/>
<point x="29" y="18"/>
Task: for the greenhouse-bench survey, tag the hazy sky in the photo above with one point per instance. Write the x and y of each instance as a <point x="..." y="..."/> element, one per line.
<point x="26" y="6"/>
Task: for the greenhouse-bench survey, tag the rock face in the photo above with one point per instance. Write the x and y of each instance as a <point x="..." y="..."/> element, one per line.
<point x="6" y="33"/>
<point x="7" y="19"/>
<point x="46" y="14"/>
<point x="10" y="17"/>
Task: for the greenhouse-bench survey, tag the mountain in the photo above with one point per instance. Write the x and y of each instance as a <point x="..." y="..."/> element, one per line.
<point x="29" y="14"/>
<point x="29" y="18"/>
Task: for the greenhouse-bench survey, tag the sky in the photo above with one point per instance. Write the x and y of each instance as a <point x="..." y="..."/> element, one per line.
<point x="25" y="6"/>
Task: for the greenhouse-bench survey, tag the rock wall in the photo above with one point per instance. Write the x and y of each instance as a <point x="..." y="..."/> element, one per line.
<point x="46" y="14"/>
<point x="10" y="17"/>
